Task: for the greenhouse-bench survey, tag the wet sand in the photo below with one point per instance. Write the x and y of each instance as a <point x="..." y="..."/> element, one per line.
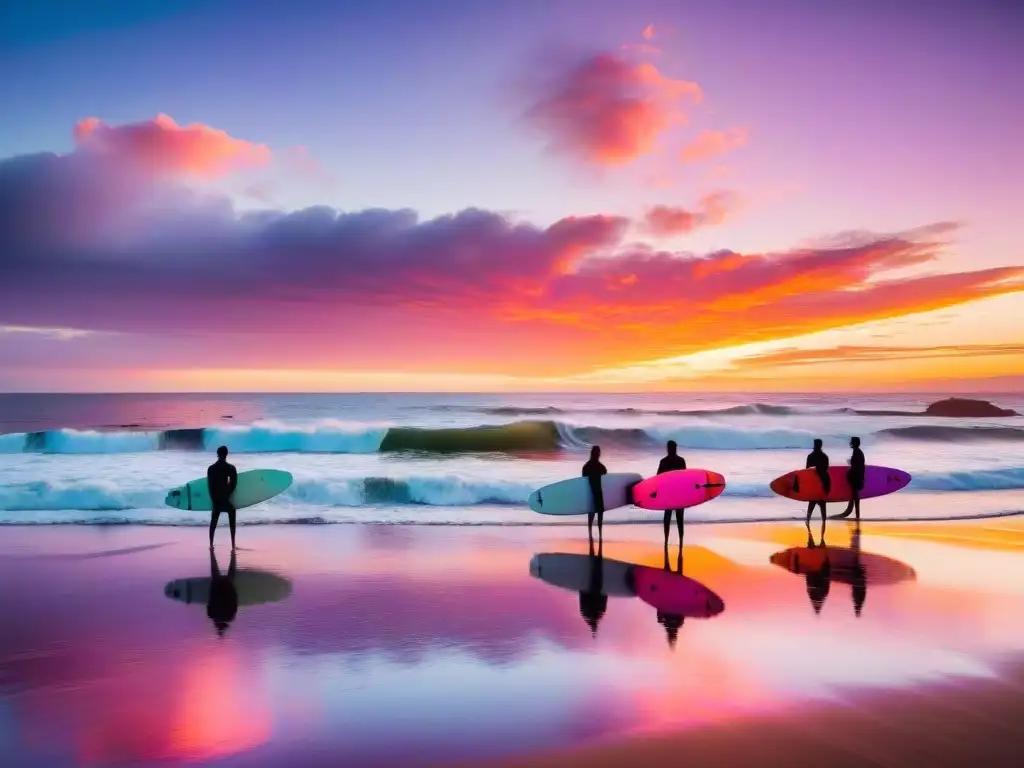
<point x="402" y="645"/>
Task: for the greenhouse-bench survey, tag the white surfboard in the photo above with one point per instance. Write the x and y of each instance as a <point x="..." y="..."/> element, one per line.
<point x="253" y="587"/>
<point x="254" y="486"/>
<point x="573" y="497"/>
<point x="574" y="572"/>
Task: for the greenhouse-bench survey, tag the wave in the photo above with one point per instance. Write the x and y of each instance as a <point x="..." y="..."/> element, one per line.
<point x="439" y="491"/>
<point x="430" y="491"/>
<point x="519" y="437"/>
<point x="751" y="409"/>
<point x="525" y="437"/>
<point x="956" y="434"/>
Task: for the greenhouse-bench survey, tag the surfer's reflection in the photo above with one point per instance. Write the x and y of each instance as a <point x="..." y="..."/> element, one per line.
<point x="593" y="600"/>
<point x="595" y="578"/>
<point x="672" y="622"/>
<point x="820" y="565"/>
<point x="223" y="594"/>
<point x="222" y="604"/>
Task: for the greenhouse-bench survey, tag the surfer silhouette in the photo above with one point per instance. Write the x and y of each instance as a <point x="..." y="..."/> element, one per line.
<point x="593" y="471"/>
<point x="670" y="462"/>
<point x="672" y="622"/>
<point x="222" y="605"/>
<point x="594" y="602"/>
<point x="818" y="460"/>
<point x="222" y="478"/>
<point x="855" y="475"/>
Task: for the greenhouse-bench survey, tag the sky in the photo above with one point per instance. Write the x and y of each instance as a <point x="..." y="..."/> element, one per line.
<point x="465" y="195"/>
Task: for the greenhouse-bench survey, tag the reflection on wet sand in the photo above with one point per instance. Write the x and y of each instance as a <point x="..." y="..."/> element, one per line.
<point x="224" y="593"/>
<point x="674" y="597"/>
<point x="446" y="650"/>
<point x="820" y="565"/>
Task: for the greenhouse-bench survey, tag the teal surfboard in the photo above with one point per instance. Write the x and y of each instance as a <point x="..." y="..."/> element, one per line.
<point x="254" y="486"/>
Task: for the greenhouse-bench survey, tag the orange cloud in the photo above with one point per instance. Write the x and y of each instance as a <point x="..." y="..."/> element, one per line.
<point x="712" y="143"/>
<point x="670" y="221"/>
<point x="648" y="32"/>
<point x="543" y="301"/>
<point x="676" y="304"/>
<point x="608" y="110"/>
<point x="867" y="354"/>
<point x="164" y="148"/>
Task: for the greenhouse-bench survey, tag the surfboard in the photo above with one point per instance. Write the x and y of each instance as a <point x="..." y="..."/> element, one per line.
<point x="254" y="486"/>
<point x="805" y="485"/>
<point x="678" y="489"/>
<point x="573" y="496"/>
<point x="253" y="587"/>
<point x="675" y="594"/>
<point x="573" y="572"/>
<point x="845" y="565"/>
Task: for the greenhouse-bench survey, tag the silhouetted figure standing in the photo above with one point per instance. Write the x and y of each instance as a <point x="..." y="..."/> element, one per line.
<point x="593" y="470"/>
<point x="669" y="463"/>
<point x="222" y="604"/>
<point x="222" y="479"/>
<point x="855" y="474"/>
<point x="594" y="602"/>
<point x="818" y="461"/>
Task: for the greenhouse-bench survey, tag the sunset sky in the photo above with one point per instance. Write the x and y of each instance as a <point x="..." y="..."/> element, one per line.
<point x="475" y="196"/>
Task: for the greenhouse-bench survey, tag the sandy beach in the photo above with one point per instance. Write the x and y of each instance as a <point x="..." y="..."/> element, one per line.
<point x="418" y="645"/>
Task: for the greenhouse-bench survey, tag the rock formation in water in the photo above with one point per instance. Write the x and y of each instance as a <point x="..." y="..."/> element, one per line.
<point x="965" y="408"/>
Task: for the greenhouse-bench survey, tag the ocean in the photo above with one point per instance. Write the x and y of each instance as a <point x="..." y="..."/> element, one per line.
<point x="453" y="459"/>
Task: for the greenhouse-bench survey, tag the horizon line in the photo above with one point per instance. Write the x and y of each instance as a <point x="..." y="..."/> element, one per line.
<point x="648" y="393"/>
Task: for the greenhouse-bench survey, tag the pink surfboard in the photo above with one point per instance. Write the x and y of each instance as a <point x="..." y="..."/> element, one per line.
<point x="678" y="489"/>
<point x="805" y="485"/>
<point x="675" y="594"/>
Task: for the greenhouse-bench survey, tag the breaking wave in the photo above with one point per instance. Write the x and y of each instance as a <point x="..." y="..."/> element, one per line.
<point x="956" y="434"/>
<point x="751" y="409"/>
<point x="524" y="437"/>
<point x="429" y="491"/>
<point x="519" y="437"/>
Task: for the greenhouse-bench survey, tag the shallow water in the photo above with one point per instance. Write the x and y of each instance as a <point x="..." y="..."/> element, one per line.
<point x="421" y="646"/>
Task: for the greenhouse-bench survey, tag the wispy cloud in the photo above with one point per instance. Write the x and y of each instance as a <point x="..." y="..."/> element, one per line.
<point x="60" y="334"/>
<point x="713" y="143"/>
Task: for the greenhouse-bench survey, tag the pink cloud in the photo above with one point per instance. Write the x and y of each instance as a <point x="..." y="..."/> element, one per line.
<point x="608" y="110"/>
<point x="669" y="221"/>
<point x="713" y="143"/>
<point x="648" y="32"/>
<point x="164" y="148"/>
<point x="474" y="291"/>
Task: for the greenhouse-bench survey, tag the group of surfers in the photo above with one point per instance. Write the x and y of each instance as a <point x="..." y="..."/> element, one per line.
<point x="817" y="460"/>
<point x="222" y="478"/>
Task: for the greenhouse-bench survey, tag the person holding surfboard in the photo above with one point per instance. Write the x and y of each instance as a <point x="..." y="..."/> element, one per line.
<point x="818" y="460"/>
<point x="593" y="470"/>
<point x="222" y="479"/>
<point x="670" y="462"/>
<point x="855" y="476"/>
